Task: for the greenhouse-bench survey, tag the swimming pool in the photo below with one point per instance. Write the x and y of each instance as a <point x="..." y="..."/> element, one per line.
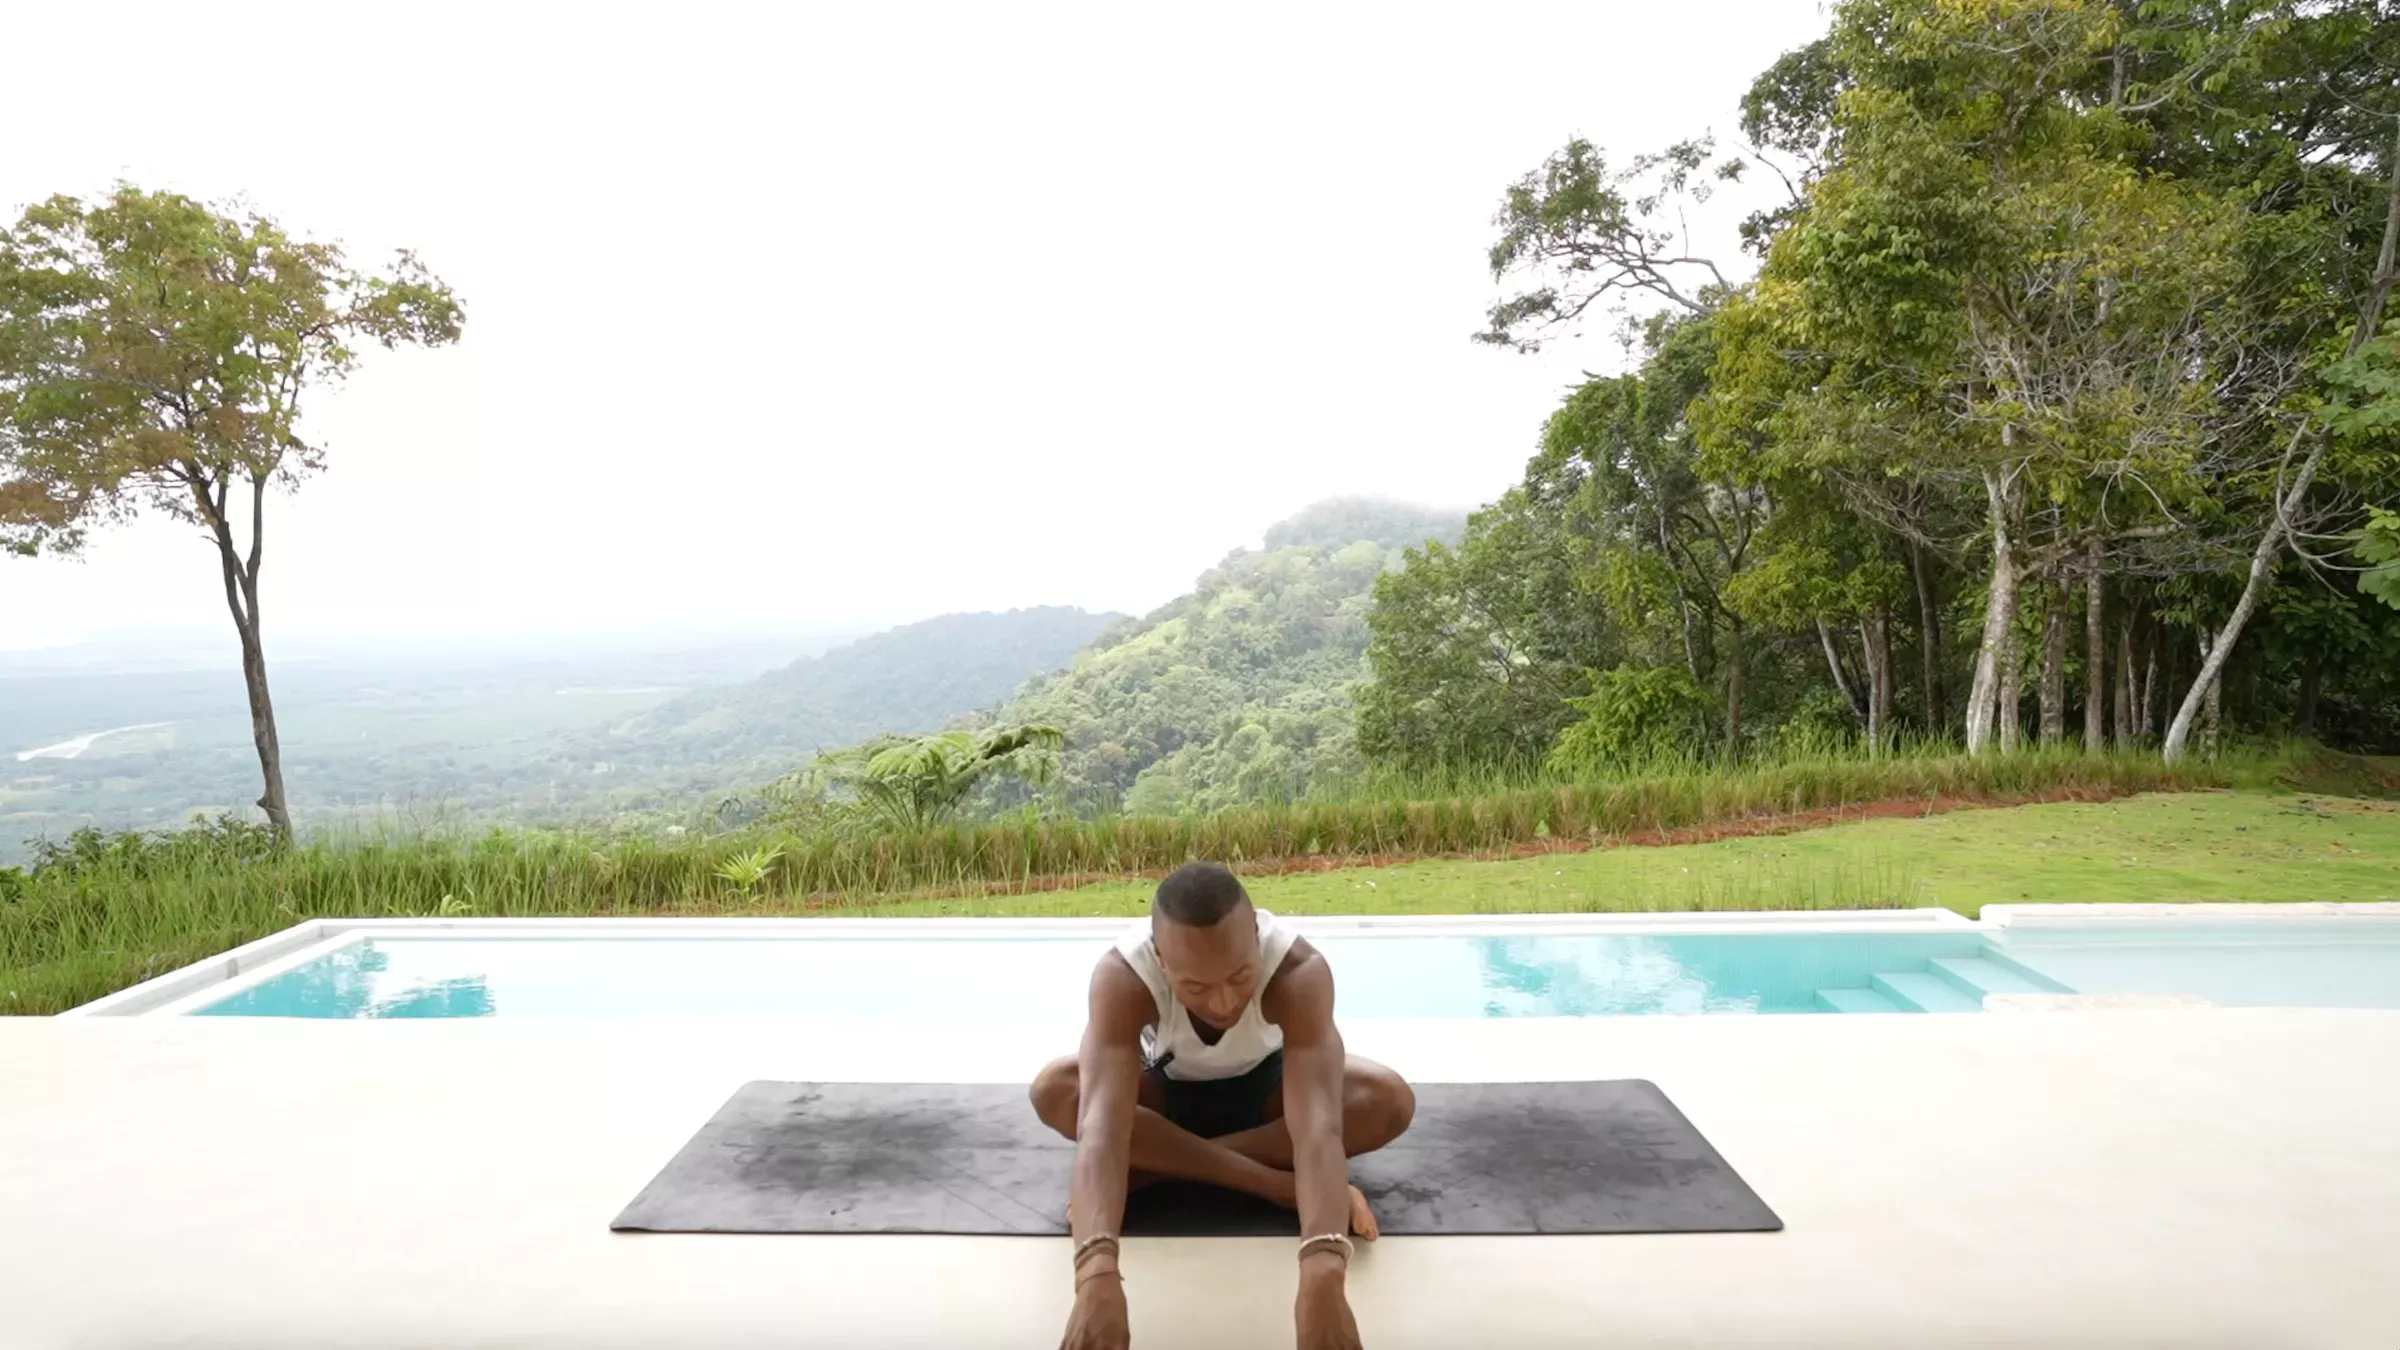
<point x="1513" y="966"/>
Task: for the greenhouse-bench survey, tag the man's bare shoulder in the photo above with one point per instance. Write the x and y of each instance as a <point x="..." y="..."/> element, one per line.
<point x="1302" y="988"/>
<point x="1121" y="1003"/>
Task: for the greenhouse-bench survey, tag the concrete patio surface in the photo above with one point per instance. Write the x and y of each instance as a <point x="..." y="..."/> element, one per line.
<point x="2173" y="1178"/>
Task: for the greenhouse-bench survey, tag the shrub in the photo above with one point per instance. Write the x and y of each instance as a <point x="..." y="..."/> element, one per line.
<point x="1632" y="717"/>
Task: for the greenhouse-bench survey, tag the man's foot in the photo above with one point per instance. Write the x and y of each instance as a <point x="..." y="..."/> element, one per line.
<point x="1362" y="1219"/>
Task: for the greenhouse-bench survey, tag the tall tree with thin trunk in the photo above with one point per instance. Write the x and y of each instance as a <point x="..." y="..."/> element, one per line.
<point x="154" y="354"/>
<point x="2127" y="736"/>
<point x="2095" y="651"/>
<point x="2054" y="664"/>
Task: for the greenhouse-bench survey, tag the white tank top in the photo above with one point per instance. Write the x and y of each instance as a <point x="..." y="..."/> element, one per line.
<point x="1173" y="1037"/>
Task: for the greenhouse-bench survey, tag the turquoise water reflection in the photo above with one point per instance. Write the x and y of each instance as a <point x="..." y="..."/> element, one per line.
<point x="345" y="984"/>
<point x="942" y="978"/>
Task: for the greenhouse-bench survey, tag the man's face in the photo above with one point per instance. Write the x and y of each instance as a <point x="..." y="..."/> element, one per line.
<point x="1212" y="970"/>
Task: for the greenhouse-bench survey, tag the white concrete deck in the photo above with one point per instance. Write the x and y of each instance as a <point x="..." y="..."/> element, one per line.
<point x="2192" y="1178"/>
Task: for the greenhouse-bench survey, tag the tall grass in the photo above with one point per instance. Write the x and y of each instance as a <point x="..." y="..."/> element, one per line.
<point x="78" y="929"/>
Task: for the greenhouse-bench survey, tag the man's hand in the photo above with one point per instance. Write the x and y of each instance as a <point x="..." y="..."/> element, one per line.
<point x="1098" y="1322"/>
<point x="1323" y="1311"/>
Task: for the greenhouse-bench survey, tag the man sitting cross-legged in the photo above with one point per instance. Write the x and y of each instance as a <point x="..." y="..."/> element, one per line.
<point x="1184" y="1074"/>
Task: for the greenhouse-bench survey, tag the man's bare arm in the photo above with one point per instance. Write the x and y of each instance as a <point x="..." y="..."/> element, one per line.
<point x="1109" y="1081"/>
<point x="1301" y="1002"/>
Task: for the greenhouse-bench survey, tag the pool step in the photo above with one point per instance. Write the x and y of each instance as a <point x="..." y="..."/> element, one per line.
<point x="1855" y="1001"/>
<point x="1916" y="991"/>
<point x="1976" y="977"/>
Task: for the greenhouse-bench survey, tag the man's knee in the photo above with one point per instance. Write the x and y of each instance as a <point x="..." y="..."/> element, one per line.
<point x="1054" y="1095"/>
<point x="1385" y="1103"/>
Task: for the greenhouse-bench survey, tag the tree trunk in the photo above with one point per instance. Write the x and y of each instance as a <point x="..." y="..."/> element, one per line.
<point x="1733" y="687"/>
<point x="241" y="597"/>
<point x="2127" y="737"/>
<point x="2210" y="698"/>
<point x="1929" y="640"/>
<point x="2054" y="664"/>
<point x="2095" y="655"/>
<point x="1841" y="680"/>
<point x="2287" y="505"/>
<point x="2149" y="681"/>
<point x="1999" y="615"/>
<point x="1875" y="635"/>
<point x="2011" y="712"/>
<point x="1683" y="604"/>
<point x="2262" y="566"/>
<point x="262" y="716"/>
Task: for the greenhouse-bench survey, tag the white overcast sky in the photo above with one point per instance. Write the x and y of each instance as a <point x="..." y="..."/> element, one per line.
<point x="855" y="313"/>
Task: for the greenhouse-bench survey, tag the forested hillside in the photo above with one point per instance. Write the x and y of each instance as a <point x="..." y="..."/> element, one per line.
<point x="1240" y="690"/>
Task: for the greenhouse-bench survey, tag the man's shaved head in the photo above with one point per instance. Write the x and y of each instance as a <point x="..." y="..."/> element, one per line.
<point x="1198" y="895"/>
<point x="1207" y="941"/>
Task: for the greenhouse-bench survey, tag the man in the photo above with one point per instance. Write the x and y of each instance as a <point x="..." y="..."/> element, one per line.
<point x="1184" y="1074"/>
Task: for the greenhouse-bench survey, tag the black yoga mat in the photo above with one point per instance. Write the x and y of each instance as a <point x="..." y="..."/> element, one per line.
<point x="1588" y="1157"/>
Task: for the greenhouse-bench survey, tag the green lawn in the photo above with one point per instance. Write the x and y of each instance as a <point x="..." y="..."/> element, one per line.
<point x="2166" y="847"/>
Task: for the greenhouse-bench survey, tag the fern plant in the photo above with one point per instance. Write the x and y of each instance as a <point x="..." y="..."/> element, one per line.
<point x="745" y="871"/>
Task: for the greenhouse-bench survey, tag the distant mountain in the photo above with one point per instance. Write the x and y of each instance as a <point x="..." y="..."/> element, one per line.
<point x="1240" y="690"/>
<point x="914" y="678"/>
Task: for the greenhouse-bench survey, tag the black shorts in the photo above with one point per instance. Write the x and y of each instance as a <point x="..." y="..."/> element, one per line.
<point x="1217" y="1106"/>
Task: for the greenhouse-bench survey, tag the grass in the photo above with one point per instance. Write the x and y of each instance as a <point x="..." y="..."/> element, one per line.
<point x="72" y="933"/>
<point x="2159" y="848"/>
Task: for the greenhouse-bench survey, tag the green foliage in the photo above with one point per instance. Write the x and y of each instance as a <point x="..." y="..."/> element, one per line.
<point x="915" y="782"/>
<point x="225" y="839"/>
<point x="2363" y="393"/>
<point x="745" y="871"/>
<point x="1631" y="718"/>
<point x="2379" y="546"/>
<point x="1475" y="649"/>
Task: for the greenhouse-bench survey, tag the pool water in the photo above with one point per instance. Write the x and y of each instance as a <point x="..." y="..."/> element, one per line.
<point x="953" y="977"/>
<point x="1377" y="975"/>
<point x="2348" y="963"/>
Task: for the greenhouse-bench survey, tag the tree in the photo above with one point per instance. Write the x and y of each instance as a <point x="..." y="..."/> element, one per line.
<point x="1582" y="234"/>
<point x="1660" y="514"/>
<point x="1476" y="649"/>
<point x="155" y="353"/>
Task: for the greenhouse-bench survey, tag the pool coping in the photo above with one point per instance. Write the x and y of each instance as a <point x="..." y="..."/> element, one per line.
<point x="179" y="991"/>
<point x="2004" y="917"/>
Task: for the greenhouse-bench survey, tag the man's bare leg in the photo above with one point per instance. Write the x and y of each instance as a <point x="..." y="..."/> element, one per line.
<point x="1377" y="1106"/>
<point x="1164" y="1149"/>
